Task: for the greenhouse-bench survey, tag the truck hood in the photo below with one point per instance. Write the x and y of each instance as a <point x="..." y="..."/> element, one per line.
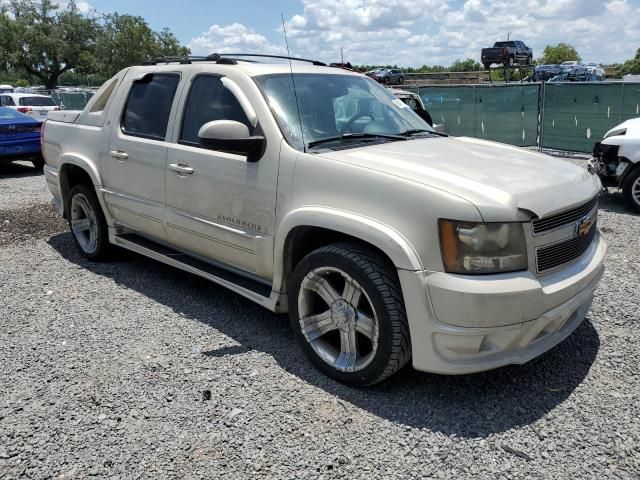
<point x="498" y="179"/>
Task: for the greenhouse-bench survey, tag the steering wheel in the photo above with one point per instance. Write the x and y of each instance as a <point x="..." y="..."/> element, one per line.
<point x="353" y="119"/>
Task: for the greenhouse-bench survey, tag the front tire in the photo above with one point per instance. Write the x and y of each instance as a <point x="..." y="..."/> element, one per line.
<point x="401" y="80"/>
<point x="87" y="224"/>
<point x="347" y="313"/>
<point x="631" y="189"/>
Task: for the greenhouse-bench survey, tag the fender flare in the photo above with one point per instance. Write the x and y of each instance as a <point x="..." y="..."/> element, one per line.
<point x="381" y="236"/>
<point x="83" y="162"/>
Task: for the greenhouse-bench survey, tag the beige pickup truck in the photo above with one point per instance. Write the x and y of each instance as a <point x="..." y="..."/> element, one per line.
<point x="314" y="191"/>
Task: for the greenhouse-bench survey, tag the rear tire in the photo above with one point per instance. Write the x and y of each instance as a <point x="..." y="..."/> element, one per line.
<point x="347" y="313"/>
<point x="401" y="80"/>
<point x="631" y="189"/>
<point x="511" y="61"/>
<point x="486" y="66"/>
<point x="87" y="224"/>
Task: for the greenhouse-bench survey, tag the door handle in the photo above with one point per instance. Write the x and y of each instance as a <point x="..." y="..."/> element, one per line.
<point x="119" y="154"/>
<point x="181" y="169"/>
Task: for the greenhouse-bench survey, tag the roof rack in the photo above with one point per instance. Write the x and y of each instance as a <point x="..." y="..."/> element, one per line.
<point x="185" y="60"/>
<point x="224" y="59"/>
<point x="214" y="56"/>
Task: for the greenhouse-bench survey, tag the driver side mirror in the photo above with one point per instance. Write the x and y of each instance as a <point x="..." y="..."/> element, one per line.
<point x="231" y="137"/>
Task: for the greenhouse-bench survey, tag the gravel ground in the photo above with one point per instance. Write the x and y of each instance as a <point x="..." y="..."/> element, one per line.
<point x="135" y="370"/>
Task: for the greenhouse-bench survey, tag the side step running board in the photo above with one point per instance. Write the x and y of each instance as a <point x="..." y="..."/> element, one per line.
<point x="251" y="289"/>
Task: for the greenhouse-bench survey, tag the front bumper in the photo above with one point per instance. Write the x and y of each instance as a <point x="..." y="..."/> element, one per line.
<point x="479" y="323"/>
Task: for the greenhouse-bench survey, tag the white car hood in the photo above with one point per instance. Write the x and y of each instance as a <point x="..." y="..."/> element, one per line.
<point x="498" y="179"/>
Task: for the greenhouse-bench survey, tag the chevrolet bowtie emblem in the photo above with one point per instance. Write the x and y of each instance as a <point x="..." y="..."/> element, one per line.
<point x="584" y="227"/>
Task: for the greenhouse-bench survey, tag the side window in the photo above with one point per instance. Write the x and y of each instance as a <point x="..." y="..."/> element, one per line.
<point x="208" y="100"/>
<point x="7" y="101"/>
<point x="149" y="105"/>
<point x="101" y="102"/>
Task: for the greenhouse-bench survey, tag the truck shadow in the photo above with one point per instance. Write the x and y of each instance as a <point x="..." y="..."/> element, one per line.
<point x="14" y="169"/>
<point x="614" y="202"/>
<point x="468" y="406"/>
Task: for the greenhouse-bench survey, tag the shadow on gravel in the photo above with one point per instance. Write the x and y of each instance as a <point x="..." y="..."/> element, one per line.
<point x="467" y="406"/>
<point x="614" y="202"/>
<point x="15" y="170"/>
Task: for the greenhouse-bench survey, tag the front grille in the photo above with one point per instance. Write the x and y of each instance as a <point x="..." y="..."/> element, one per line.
<point x="561" y="219"/>
<point x="558" y="254"/>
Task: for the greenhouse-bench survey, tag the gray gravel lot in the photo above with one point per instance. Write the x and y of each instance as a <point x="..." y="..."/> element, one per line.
<point x="132" y="369"/>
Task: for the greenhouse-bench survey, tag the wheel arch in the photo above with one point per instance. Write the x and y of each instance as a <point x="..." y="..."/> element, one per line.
<point x="305" y="229"/>
<point x="76" y="169"/>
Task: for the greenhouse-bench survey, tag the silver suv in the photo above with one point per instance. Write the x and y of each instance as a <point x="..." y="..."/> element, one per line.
<point x="314" y="191"/>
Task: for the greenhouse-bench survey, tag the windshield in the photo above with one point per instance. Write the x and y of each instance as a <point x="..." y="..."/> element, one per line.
<point x="37" y="102"/>
<point x="333" y="105"/>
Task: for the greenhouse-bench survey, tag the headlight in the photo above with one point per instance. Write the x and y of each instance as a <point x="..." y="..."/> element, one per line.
<point x="481" y="248"/>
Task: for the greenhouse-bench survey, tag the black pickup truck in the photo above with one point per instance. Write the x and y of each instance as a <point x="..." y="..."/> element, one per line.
<point x="509" y="53"/>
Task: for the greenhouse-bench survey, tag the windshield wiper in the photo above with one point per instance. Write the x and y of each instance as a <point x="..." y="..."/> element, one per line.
<point x="408" y="133"/>
<point x="356" y="136"/>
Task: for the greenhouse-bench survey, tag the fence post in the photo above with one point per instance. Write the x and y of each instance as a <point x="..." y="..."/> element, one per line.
<point x="541" y="97"/>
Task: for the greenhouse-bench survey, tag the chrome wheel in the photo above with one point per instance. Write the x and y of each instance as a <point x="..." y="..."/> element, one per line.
<point x="635" y="191"/>
<point x="84" y="225"/>
<point x="337" y="319"/>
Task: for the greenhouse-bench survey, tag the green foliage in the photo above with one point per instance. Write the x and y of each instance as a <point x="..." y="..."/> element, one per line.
<point x="631" y="66"/>
<point x="46" y="42"/>
<point x="468" y="65"/>
<point x="126" y="40"/>
<point x="556" y="54"/>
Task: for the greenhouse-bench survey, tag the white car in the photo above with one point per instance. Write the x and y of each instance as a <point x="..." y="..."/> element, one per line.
<point x="596" y="70"/>
<point x="616" y="159"/>
<point x="383" y="239"/>
<point x="32" y="104"/>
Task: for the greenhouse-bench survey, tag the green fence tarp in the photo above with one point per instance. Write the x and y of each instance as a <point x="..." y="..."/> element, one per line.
<point x="505" y="113"/>
<point x="71" y="100"/>
<point x="576" y="115"/>
<point x="563" y="116"/>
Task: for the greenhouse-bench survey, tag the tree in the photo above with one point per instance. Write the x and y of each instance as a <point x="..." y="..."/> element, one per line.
<point x="556" y="54"/>
<point x="126" y="40"/>
<point x="468" y="65"/>
<point x="44" y="40"/>
<point x="632" y="66"/>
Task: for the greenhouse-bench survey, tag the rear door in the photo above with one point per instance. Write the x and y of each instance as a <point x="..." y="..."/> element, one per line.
<point x="219" y="206"/>
<point x="134" y="186"/>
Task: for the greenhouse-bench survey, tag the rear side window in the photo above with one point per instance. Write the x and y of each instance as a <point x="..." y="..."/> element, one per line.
<point x="209" y="100"/>
<point x="37" y="102"/>
<point x="149" y="105"/>
<point x="7" y="101"/>
<point x="101" y="102"/>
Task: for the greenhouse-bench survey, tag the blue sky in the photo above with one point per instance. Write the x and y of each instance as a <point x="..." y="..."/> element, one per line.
<point x="404" y="32"/>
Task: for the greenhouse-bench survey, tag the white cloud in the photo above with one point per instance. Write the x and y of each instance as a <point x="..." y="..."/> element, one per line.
<point x="413" y="33"/>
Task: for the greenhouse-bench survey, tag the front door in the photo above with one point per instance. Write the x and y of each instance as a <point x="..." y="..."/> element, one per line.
<point x="134" y="187"/>
<point x="219" y="206"/>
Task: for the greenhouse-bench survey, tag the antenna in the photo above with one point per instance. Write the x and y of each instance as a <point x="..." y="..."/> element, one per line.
<point x="293" y="81"/>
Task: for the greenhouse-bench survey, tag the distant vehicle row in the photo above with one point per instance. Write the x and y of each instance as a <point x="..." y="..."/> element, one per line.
<point x="34" y="105"/>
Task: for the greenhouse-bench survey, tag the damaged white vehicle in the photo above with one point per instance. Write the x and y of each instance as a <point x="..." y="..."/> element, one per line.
<point x="616" y="160"/>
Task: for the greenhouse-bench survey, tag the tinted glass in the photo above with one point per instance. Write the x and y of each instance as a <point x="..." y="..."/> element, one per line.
<point x="37" y="102"/>
<point x="149" y="105"/>
<point x="7" y="101"/>
<point x="504" y="44"/>
<point x="209" y="100"/>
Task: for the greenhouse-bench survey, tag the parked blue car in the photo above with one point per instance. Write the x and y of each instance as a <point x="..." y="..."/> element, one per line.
<point x="20" y="137"/>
